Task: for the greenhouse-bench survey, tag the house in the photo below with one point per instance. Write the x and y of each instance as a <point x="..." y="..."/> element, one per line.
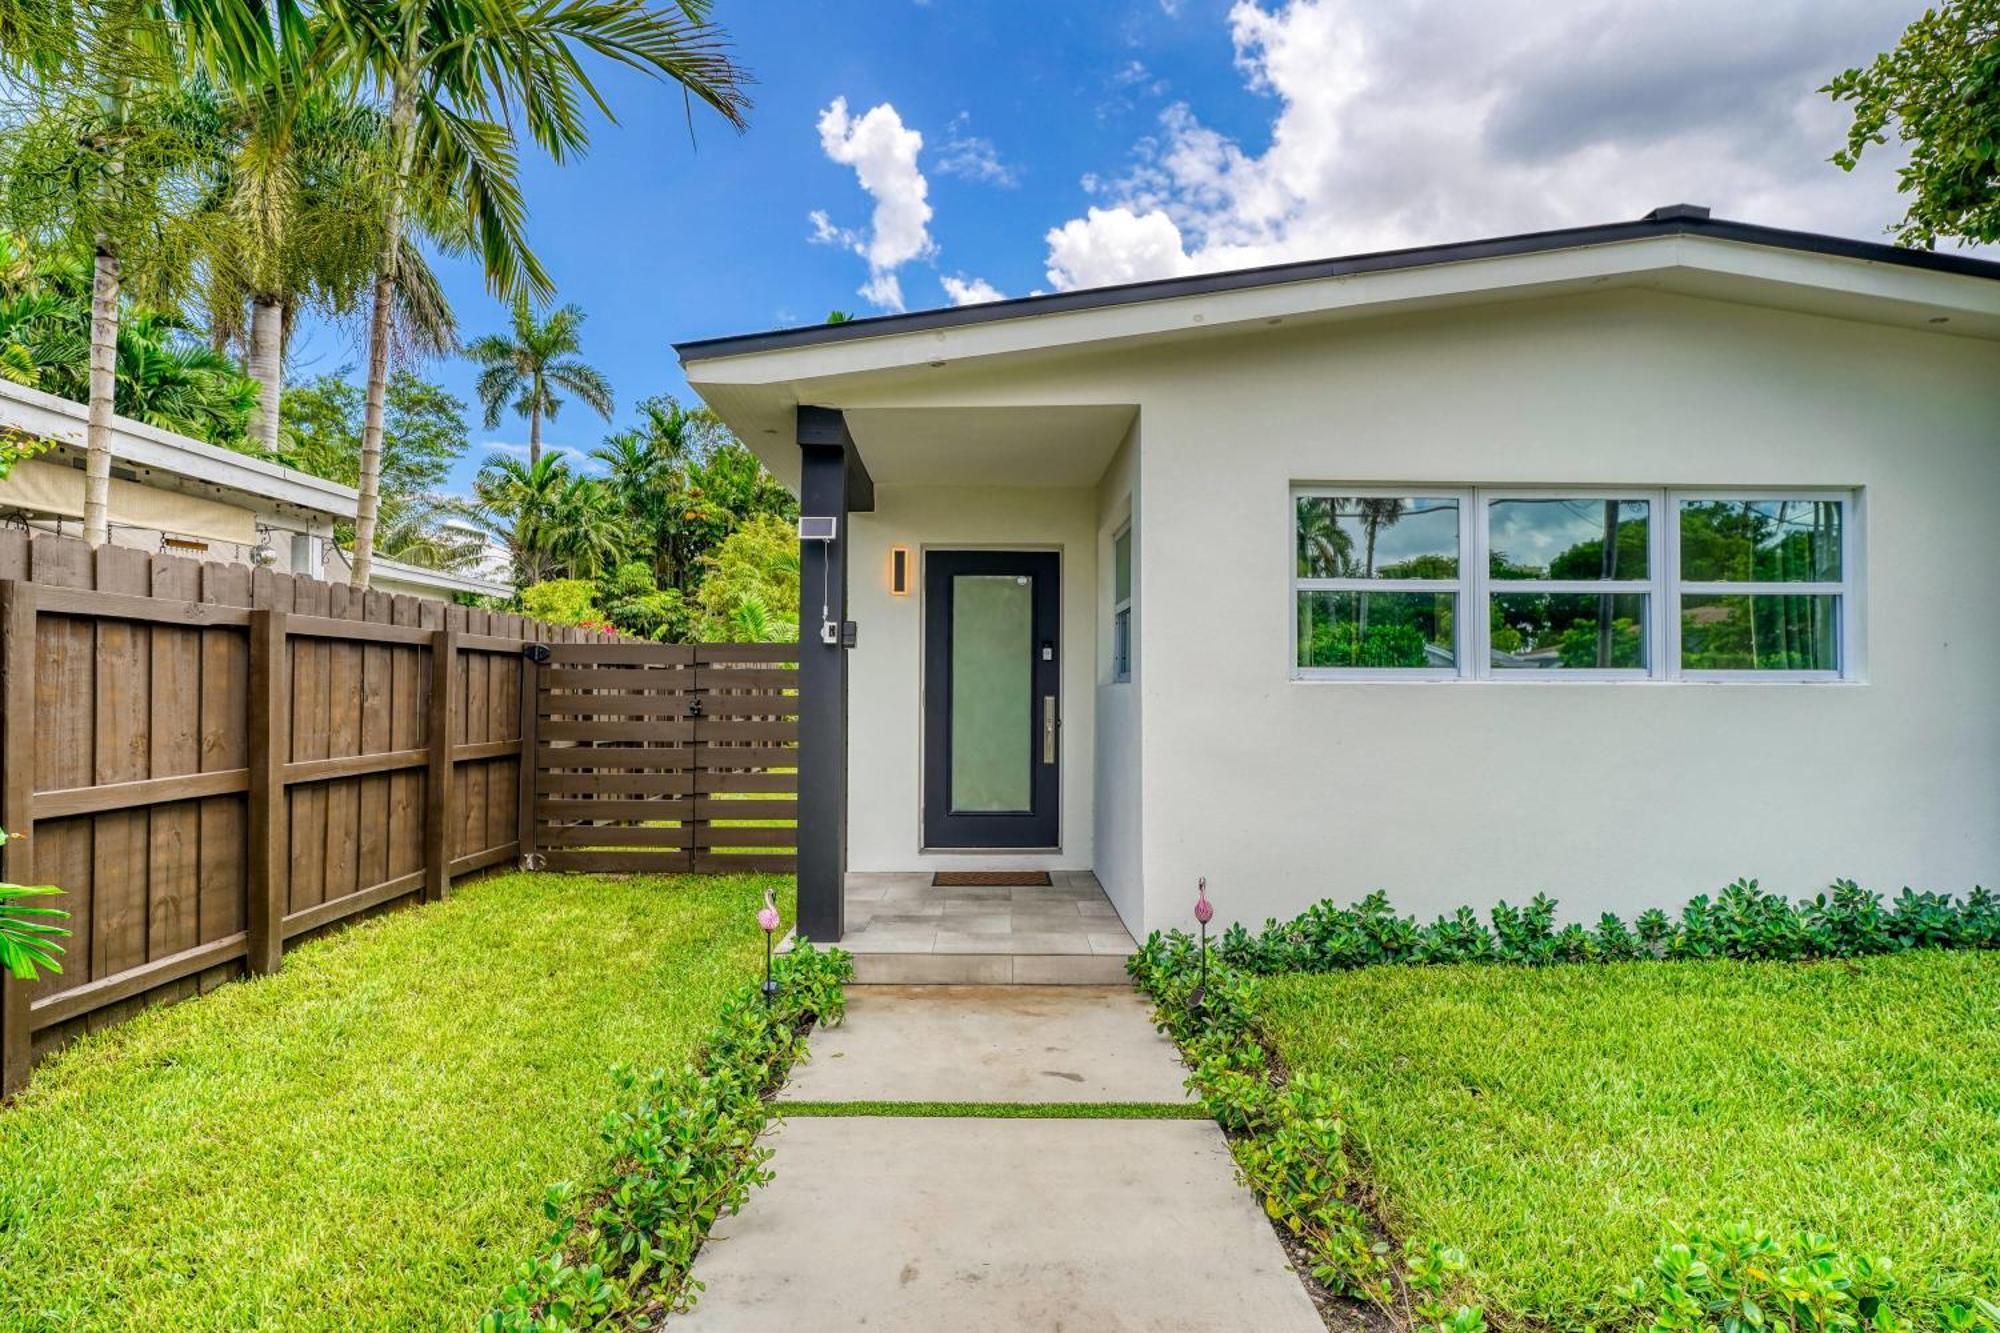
<point x="400" y="576"/>
<point x="170" y="492"/>
<point x="1614" y="562"/>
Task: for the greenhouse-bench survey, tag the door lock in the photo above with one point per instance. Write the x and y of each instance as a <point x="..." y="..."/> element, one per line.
<point x="1048" y="728"/>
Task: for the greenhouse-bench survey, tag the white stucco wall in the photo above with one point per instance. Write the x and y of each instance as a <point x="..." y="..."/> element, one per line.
<point x="885" y="742"/>
<point x="1118" y="805"/>
<point x="1609" y="796"/>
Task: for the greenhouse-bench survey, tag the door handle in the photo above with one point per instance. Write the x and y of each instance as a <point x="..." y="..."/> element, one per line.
<point x="1048" y="728"/>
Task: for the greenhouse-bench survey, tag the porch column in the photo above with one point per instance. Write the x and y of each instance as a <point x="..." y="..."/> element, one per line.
<point x="833" y="483"/>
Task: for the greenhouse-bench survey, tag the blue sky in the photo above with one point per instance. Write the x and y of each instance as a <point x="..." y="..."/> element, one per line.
<point x="1069" y="145"/>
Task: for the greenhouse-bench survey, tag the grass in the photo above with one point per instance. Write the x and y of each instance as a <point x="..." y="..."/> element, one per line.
<point x="1551" y="1122"/>
<point x="363" y="1139"/>
<point x="997" y="1110"/>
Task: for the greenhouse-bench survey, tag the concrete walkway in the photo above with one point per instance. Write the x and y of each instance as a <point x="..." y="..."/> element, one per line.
<point x="903" y="1223"/>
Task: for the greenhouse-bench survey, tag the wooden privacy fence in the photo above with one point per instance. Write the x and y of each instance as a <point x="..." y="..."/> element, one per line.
<point x="664" y="757"/>
<point x="213" y="763"/>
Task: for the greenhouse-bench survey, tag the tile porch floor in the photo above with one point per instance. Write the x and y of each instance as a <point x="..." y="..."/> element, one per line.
<point x="902" y="930"/>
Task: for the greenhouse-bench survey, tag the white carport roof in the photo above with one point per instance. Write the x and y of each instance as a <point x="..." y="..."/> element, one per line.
<point x="165" y="461"/>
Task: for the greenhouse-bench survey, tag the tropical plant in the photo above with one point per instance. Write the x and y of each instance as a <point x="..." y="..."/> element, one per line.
<point x="1742" y="921"/>
<point x="291" y="218"/>
<point x="164" y="373"/>
<point x="28" y="934"/>
<point x="554" y="523"/>
<point x="751" y="592"/>
<point x="1939" y="91"/>
<point x="104" y="163"/>
<point x="449" y="75"/>
<point x="653" y="468"/>
<point x="524" y="367"/>
<point x="637" y="605"/>
<point x="563" y="602"/>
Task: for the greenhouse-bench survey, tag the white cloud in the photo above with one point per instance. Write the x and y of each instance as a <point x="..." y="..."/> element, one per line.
<point x="965" y="290"/>
<point x="883" y="153"/>
<point x="1402" y="122"/>
<point x="1110" y="245"/>
<point x="970" y="157"/>
<point x="578" y="459"/>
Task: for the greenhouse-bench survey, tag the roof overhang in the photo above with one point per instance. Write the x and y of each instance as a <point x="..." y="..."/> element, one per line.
<point x="166" y="461"/>
<point x="755" y="382"/>
<point x="441" y="582"/>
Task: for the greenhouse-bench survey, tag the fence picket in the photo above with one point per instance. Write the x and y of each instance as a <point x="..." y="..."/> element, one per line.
<point x="214" y="762"/>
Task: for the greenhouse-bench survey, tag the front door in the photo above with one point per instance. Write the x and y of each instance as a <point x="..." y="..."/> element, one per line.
<point x="992" y="748"/>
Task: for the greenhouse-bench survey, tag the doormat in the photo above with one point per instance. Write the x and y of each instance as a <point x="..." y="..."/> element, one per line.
<point x="991" y="879"/>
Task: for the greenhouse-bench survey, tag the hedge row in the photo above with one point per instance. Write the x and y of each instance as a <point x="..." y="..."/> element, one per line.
<point x="684" y="1151"/>
<point x="1743" y="921"/>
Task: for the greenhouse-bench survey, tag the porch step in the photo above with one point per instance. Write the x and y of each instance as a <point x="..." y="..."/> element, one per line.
<point x="988" y="969"/>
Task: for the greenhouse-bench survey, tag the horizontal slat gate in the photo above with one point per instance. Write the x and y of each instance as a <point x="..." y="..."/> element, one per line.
<point x="666" y="758"/>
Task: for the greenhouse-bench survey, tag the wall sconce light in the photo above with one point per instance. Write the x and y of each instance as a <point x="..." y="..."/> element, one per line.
<point x="899" y="571"/>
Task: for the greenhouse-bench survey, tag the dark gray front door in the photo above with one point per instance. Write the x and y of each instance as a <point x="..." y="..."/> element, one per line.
<point x="992" y="746"/>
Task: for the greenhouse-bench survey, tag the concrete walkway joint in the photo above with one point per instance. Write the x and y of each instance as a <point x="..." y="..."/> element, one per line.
<point x="902" y="1223"/>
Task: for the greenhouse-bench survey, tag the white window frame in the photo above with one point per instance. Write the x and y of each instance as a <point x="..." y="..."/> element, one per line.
<point x="1122" y="606"/>
<point x="1654" y="587"/>
<point x="1844" y="590"/>
<point x="1663" y="588"/>
<point x="1459" y="587"/>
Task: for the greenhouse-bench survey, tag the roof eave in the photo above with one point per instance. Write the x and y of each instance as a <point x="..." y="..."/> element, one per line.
<point x="1676" y="223"/>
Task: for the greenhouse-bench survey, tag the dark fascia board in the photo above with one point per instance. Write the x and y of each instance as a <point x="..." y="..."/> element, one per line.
<point x="1674" y="223"/>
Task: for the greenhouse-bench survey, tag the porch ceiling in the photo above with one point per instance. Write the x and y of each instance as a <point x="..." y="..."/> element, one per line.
<point x="969" y="446"/>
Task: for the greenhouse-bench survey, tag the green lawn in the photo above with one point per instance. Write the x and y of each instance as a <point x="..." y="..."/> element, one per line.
<point x="1551" y="1121"/>
<point x="362" y="1140"/>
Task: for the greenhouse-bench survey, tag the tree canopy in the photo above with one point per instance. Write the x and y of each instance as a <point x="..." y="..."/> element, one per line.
<point x="1938" y="92"/>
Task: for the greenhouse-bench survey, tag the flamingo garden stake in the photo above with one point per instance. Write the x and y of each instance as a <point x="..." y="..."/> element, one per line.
<point x="1204" y="912"/>
<point x="767" y="920"/>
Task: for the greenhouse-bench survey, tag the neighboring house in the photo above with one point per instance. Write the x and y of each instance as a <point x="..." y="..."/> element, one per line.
<point x="397" y="576"/>
<point x="168" y="492"/>
<point x="1298" y="578"/>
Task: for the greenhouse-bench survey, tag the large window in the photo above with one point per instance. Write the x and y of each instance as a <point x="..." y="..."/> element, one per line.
<point x="1505" y="584"/>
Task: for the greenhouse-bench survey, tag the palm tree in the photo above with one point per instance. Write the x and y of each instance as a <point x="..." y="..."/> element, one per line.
<point x="292" y="221"/>
<point x="518" y="503"/>
<point x="101" y="166"/>
<point x="165" y="375"/>
<point x="530" y="364"/>
<point x="1324" y="546"/>
<point x="170" y="378"/>
<point x="449" y="73"/>
<point x="649" y="468"/>
<point x="591" y="532"/>
<point x="554" y="523"/>
<point x="1376" y="514"/>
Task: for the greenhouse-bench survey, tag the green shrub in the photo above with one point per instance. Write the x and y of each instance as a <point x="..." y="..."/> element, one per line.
<point x="1743" y="921"/>
<point x="1738" y="1277"/>
<point x="1288" y="1138"/>
<point x="563" y="602"/>
<point x="684" y="1151"/>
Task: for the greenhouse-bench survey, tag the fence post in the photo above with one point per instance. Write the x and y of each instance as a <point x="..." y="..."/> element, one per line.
<point x="524" y="821"/>
<point x="437" y="793"/>
<point x="17" y="807"/>
<point x="270" y="717"/>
